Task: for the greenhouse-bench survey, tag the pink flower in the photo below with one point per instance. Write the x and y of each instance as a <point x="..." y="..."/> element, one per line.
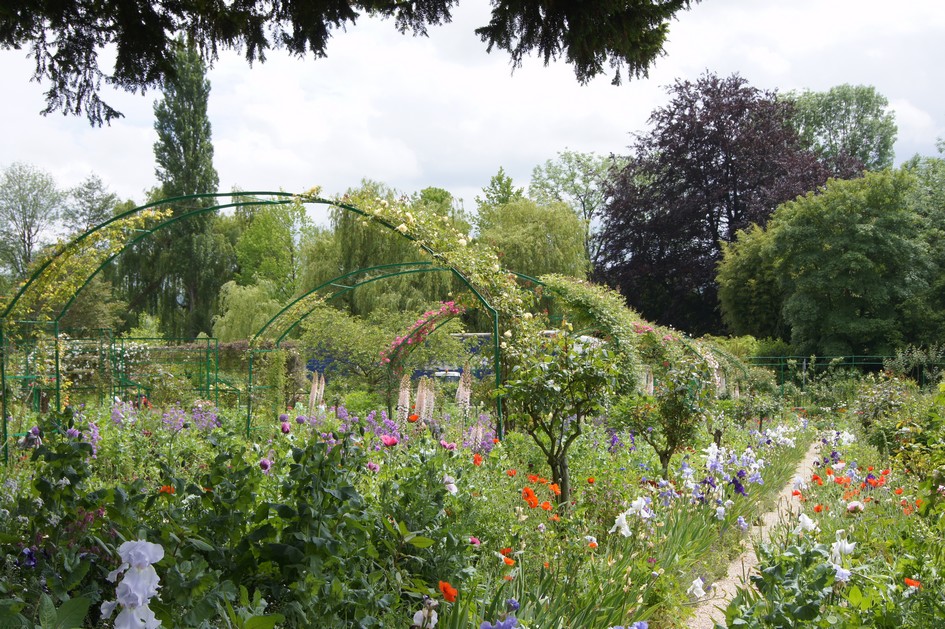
<point x="286" y="428"/>
<point x="474" y="541"/>
<point x="448" y="445"/>
<point x="389" y="441"/>
<point x="373" y="467"/>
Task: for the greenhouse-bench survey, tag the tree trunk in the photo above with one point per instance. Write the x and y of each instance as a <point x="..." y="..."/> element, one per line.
<point x="560" y="475"/>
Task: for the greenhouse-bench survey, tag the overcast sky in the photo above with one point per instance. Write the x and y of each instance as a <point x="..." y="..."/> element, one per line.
<point x="439" y="111"/>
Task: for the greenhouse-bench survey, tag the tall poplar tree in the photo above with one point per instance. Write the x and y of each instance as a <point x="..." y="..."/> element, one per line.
<point x="178" y="273"/>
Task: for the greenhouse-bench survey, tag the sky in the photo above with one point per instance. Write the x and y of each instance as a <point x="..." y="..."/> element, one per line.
<point x="414" y="112"/>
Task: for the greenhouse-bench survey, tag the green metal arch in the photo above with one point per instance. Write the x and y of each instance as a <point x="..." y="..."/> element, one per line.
<point x="277" y="198"/>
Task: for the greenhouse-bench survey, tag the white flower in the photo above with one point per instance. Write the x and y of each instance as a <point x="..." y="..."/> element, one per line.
<point x="805" y="524"/>
<point x="841" y="573"/>
<point x="425" y="618"/>
<point x="450" y="483"/>
<point x="138" y="585"/>
<point x="695" y="590"/>
<point x="401" y="228"/>
<point x="841" y="547"/>
<point x="620" y="524"/>
<point x="508" y="334"/>
<point x="720" y="513"/>
<point x="461" y="242"/>
<point x="855" y="507"/>
<point x="141" y="554"/>
<point x="799" y="484"/>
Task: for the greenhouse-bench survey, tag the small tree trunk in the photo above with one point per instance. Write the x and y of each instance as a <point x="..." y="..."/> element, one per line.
<point x="560" y="475"/>
<point x="665" y="458"/>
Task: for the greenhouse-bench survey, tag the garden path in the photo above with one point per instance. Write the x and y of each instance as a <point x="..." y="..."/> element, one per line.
<point x="712" y="610"/>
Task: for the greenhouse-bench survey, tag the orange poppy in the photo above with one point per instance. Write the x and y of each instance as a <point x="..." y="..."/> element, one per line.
<point x="413" y="418"/>
<point x="167" y="489"/>
<point x="913" y="583"/>
<point x="505" y="551"/>
<point x="512" y="473"/>
<point x="448" y="591"/>
<point x="591" y="480"/>
<point x="508" y="561"/>
<point x="477" y="459"/>
<point x="546" y="506"/>
<point x="555" y="489"/>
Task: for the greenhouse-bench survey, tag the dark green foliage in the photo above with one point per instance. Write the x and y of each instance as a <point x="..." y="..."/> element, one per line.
<point x="65" y="37"/>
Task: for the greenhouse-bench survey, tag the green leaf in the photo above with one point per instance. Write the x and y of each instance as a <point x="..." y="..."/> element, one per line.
<point x="72" y="613"/>
<point x="47" y="612"/>
<point x="421" y="542"/>
<point x="263" y="622"/>
<point x="855" y="596"/>
<point x="199" y="544"/>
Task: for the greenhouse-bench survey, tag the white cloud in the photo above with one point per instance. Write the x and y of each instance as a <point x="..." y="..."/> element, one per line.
<point x="414" y="111"/>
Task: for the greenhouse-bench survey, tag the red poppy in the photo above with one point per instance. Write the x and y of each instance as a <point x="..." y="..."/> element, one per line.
<point x="413" y="418"/>
<point x="448" y="591"/>
<point x="477" y="459"/>
<point x="495" y="440"/>
<point x="818" y="508"/>
<point x="512" y="472"/>
<point x="505" y="551"/>
<point x="898" y="491"/>
<point x="913" y="583"/>
<point x="532" y="478"/>
<point x="167" y="489"/>
<point x="591" y="480"/>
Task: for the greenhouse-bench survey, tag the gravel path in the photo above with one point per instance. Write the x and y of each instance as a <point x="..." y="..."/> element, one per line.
<point x="711" y="611"/>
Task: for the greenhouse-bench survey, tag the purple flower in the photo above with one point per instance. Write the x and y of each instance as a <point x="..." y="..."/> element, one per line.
<point x="741" y="523"/>
<point x="34" y="431"/>
<point x="508" y="623"/>
<point x="373" y="467"/>
<point x="265" y="465"/>
<point x="286" y="428"/>
<point x="73" y="433"/>
<point x="512" y="605"/>
<point x="300" y="419"/>
<point x="29" y="558"/>
<point x="283" y="417"/>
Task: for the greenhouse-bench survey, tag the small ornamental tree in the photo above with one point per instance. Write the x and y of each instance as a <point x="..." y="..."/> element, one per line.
<point x="554" y="381"/>
<point x="670" y="417"/>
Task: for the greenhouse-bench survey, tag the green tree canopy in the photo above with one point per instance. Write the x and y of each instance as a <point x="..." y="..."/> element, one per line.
<point x="850" y="262"/>
<point x="850" y="127"/>
<point x="749" y="291"/>
<point x="580" y="181"/>
<point x="357" y="243"/>
<point x="500" y="191"/>
<point x="90" y="204"/>
<point x="269" y="248"/>
<point x="535" y="239"/>
<point x="29" y="207"/>
<point x="244" y="310"/>
<point x="65" y="37"/>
